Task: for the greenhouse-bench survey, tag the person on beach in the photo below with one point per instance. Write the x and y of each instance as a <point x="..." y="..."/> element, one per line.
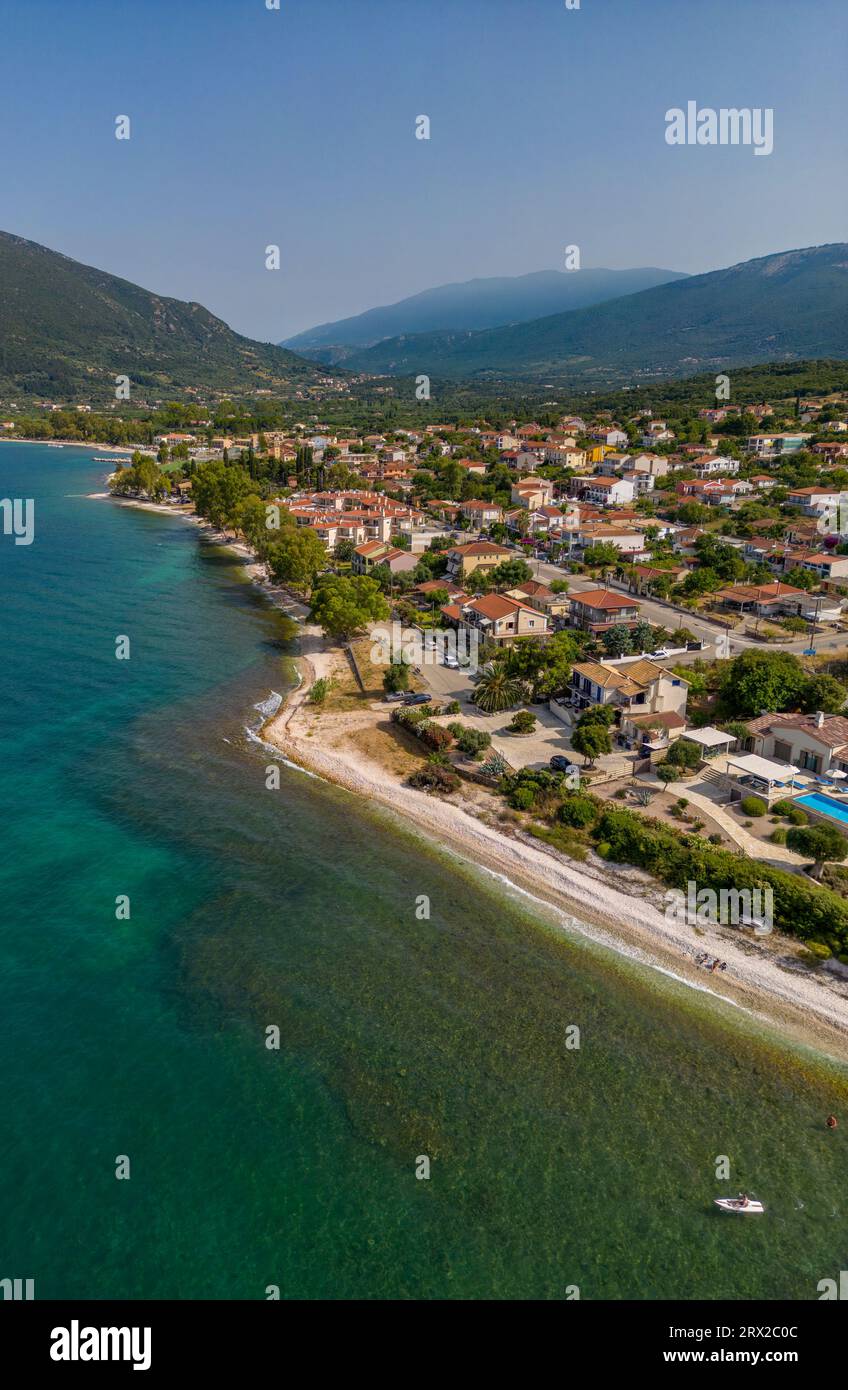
<point x="832" y="1122"/>
<point x="714" y="966"/>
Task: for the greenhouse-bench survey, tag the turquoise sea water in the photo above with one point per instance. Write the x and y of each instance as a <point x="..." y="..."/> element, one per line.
<point x="400" y="1038"/>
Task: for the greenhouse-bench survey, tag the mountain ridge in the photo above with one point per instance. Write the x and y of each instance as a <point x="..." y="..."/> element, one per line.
<point x="482" y="302"/>
<point x="785" y="306"/>
<point x="68" y="329"/>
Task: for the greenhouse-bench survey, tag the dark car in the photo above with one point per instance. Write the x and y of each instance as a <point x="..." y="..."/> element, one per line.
<point x="560" y="764"/>
<point x="419" y="699"/>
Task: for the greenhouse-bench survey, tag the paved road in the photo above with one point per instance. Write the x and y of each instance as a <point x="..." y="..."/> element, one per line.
<point x="661" y="616"/>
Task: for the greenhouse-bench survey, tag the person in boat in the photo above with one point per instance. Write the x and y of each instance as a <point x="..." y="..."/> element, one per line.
<point x="744" y="1200"/>
<point x="832" y="1122"/>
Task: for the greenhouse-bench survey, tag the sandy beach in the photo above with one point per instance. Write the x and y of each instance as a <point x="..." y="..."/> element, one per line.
<point x="617" y="906"/>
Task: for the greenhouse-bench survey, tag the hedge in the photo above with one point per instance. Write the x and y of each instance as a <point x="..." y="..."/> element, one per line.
<point x="801" y="908"/>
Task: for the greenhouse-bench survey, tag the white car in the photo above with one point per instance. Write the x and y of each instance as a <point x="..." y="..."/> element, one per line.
<point x="451" y="663"/>
<point x="660" y="654"/>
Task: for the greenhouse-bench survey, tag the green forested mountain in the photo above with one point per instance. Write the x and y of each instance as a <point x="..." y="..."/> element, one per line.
<point x="67" y="330"/>
<point x="779" y="308"/>
<point x="483" y="303"/>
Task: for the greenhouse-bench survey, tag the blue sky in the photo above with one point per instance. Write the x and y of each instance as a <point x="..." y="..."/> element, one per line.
<point x="296" y="127"/>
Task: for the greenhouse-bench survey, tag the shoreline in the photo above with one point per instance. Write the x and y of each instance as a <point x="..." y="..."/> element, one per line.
<point x="612" y="908"/>
<point x="801" y="1006"/>
<point x="77" y="444"/>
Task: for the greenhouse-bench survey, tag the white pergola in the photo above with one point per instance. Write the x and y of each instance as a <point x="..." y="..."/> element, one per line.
<point x="710" y="740"/>
<point x="779" y="776"/>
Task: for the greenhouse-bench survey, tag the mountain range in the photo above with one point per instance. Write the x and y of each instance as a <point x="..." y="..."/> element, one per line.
<point x="778" y="308"/>
<point x="67" y="330"/>
<point x="475" y="304"/>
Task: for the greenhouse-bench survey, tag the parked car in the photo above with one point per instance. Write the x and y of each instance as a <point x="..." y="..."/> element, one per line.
<point x="694" y="646"/>
<point x="451" y="663"/>
<point x="419" y="699"/>
<point x="394" y="695"/>
<point x="660" y="654"/>
<point x="560" y="764"/>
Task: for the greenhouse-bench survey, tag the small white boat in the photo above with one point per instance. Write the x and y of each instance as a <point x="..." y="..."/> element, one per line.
<point x="734" y="1204"/>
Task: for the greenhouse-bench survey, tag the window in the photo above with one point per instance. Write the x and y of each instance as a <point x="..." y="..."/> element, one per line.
<point x="783" y="751"/>
<point x="675" y="682"/>
<point x="810" y="761"/>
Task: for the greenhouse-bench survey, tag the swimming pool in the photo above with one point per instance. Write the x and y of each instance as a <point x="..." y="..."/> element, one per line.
<point x="825" y="805"/>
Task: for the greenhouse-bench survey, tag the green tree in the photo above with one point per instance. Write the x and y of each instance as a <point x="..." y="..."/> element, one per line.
<point x="297" y="557"/>
<point x="344" y="606"/>
<point x="758" y="682"/>
<point x="642" y="636"/>
<point x="823" y="692"/>
<point x="617" y="641"/>
<point x="592" y="740"/>
<point x="496" y="690"/>
<point x="821" y="843"/>
<point x="510" y="573"/>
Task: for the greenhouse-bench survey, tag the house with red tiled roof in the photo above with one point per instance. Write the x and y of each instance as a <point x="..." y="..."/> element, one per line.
<point x="499" y="618"/>
<point x="463" y="560"/>
<point x="814" y="742"/>
<point x="597" y="610"/>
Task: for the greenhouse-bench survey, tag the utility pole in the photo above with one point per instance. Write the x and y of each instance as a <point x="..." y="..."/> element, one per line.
<point x="811" y="650"/>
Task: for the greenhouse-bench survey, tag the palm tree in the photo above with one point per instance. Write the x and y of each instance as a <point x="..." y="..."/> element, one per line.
<point x="496" y="689"/>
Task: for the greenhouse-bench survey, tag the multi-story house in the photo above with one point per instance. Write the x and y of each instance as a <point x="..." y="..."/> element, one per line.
<point x="499" y="618"/>
<point x="463" y="560"/>
<point x="597" y="610"/>
<point x="773" y="446"/>
<point x="636" y="686"/>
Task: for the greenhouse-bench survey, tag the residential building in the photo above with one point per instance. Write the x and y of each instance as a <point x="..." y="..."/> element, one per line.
<point x="481" y="514"/>
<point x="499" y="618"/>
<point x="373" y="553"/>
<point x="773" y="446"/>
<point x="637" y="686"/>
<point x="597" y="610"/>
<point x="814" y="742"/>
<point x="463" y="560"/>
<point x="605" y="492"/>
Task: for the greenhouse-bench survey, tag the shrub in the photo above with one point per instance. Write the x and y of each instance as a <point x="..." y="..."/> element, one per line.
<point x="523" y="722"/>
<point x="473" y="742"/>
<point x="797" y="816"/>
<point x="715" y="838"/>
<point x="396" y="677"/>
<point x="778" y="837"/>
<point x="522" y="798"/>
<point x="436" y="737"/>
<point x="578" y="811"/>
<point x="453" y="708"/>
<point x="753" y="806"/>
<point x="818" y="950"/>
<point x="683" y="754"/>
<point x="603" y="849"/>
<point x="318" y="693"/>
<point x="456" y="728"/>
<point x="494" y="766"/>
<point x="782" y="808"/>
<point x="434" y="778"/>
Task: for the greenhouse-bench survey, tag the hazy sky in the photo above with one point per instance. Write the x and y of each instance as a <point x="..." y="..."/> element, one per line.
<point x="297" y="127"/>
